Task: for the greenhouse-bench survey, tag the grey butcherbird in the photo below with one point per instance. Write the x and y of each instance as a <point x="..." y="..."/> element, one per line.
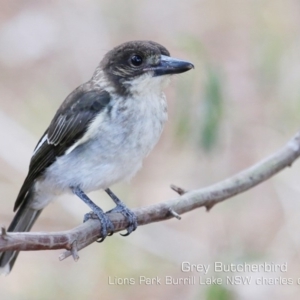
<point x="99" y="135"/>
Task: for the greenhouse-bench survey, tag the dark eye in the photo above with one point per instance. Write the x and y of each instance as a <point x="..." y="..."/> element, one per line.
<point x="136" y="60"/>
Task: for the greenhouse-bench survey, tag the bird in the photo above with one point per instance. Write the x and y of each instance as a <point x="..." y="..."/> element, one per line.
<point x="99" y="136"/>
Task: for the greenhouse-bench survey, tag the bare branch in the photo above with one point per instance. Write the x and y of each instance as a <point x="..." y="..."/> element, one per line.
<point x="75" y="239"/>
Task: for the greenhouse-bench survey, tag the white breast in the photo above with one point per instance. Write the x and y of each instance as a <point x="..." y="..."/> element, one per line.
<point x="115" y="143"/>
<point x="119" y="141"/>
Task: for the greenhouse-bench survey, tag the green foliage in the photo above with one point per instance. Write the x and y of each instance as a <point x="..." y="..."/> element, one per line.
<point x="219" y="292"/>
<point x="183" y="126"/>
<point x="212" y="109"/>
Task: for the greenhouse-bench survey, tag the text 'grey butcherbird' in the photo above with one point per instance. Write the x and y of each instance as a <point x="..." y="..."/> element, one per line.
<point x="99" y="135"/>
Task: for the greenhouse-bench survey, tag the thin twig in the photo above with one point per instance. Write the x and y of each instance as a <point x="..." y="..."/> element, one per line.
<point x="178" y="189"/>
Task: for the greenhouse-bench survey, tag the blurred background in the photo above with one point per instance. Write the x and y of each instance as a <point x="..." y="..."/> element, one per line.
<point x="240" y="104"/>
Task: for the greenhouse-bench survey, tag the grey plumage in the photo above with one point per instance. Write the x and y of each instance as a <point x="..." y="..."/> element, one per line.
<point x="100" y="134"/>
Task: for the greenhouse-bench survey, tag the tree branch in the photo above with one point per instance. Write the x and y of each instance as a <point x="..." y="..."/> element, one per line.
<point x="75" y="239"/>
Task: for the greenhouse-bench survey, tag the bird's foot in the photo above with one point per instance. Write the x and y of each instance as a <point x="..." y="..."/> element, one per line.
<point x="128" y="214"/>
<point x="89" y="216"/>
<point x="125" y="211"/>
<point x="107" y="227"/>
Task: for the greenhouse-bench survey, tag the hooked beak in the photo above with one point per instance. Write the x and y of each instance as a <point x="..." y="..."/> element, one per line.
<point x="170" y="65"/>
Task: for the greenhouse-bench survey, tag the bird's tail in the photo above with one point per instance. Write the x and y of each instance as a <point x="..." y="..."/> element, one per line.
<point x="23" y="221"/>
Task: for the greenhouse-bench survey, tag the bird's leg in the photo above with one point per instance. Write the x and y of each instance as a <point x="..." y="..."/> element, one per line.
<point x="126" y="212"/>
<point x="107" y="227"/>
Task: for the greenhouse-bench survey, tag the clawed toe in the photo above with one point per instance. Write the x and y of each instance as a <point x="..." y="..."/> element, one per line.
<point x="107" y="227"/>
<point x="129" y="215"/>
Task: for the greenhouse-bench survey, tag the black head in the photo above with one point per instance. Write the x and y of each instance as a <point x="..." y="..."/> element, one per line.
<point x="134" y="59"/>
<point x="131" y="58"/>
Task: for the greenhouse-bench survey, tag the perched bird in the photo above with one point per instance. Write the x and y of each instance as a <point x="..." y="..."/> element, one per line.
<point x="99" y="135"/>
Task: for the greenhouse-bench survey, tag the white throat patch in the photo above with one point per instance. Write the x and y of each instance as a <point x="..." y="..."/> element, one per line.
<point x="147" y="84"/>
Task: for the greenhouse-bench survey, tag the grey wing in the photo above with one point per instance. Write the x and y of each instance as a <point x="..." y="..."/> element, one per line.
<point x="68" y="126"/>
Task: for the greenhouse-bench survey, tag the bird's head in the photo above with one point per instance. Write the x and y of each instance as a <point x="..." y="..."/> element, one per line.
<point x="138" y="66"/>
